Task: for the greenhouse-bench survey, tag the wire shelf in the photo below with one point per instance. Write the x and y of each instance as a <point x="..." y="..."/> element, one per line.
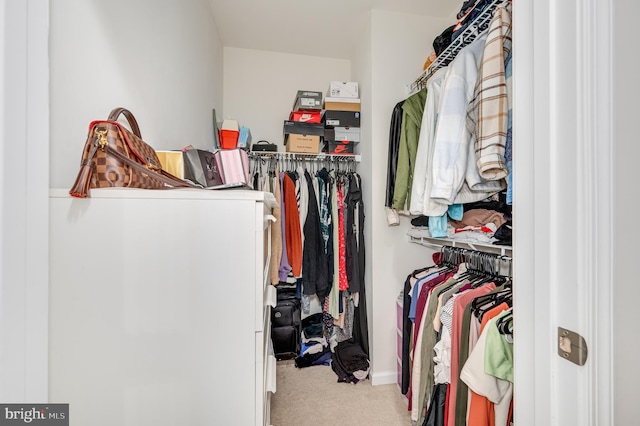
<point x="468" y="35"/>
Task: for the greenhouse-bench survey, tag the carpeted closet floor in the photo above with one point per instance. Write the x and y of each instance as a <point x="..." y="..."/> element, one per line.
<point x="312" y="396"/>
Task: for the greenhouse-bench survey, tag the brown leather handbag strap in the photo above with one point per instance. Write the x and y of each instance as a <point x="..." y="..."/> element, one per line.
<point x="115" y="113"/>
<point x="162" y="175"/>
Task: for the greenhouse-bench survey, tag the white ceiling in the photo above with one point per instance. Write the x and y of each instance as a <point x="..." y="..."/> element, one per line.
<point x="325" y="28"/>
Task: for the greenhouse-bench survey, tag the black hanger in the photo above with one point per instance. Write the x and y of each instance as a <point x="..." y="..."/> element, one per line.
<point x="504" y="324"/>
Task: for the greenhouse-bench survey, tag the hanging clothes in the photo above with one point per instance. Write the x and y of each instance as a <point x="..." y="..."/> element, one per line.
<point x="285" y="267"/>
<point x="315" y="275"/>
<point x="412" y="111"/>
<point x="276" y="232"/>
<point x="356" y="260"/>
<point x="394" y="146"/>
<point x="422" y="176"/>
<point x="487" y="115"/>
<point x="293" y="235"/>
<point x="322" y="249"/>
<point x="442" y="328"/>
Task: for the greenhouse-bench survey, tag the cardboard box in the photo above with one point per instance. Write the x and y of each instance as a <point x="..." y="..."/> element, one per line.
<point x="341" y="118"/>
<point x="308" y="144"/>
<point x="343" y="89"/>
<point x="342" y="104"/>
<point x="306" y="116"/>
<point x="340" y="147"/>
<point x="307" y="100"/>
<point x="342" y="134"/>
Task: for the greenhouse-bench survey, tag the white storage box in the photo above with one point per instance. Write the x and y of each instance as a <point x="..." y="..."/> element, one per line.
<point x="343" y="89"/>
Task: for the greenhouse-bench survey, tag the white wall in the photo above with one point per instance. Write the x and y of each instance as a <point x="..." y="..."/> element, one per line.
<point x="400" y="43"/>
<point x="260" y="87"/>
<point x="162" y="60"/>
<point x="362" y="73"/>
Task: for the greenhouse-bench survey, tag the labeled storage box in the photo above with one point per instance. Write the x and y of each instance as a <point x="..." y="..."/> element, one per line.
<point x="341" y="118"/>
<point x="339" y="133"/>
<point x="343" y="89"/>
<point x="229" y="134"/>
<point x="307" y="100"/>
<point x="342" y="104"/>
<point x="340" y="147"/>
<point x="306" y="144"/>
<point x="303" y="137"/>
<point x="306" y="116"/>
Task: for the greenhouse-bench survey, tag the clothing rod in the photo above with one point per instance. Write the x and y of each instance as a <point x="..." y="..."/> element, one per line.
<point x="305" y="156"/>
<point x="478" y="260"/>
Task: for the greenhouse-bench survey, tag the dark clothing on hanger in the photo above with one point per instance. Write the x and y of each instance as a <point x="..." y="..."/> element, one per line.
<point x="477" y="10"/>
<point x="314" y="260"/>
<point x="356" y="260"/>
<point x="325" y="215"/>
<point x="394" y="147"/>
<point x="354" y="235"/>
<point x="443" y="40"/>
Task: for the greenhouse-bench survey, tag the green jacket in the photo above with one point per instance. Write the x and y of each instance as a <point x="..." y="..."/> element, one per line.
<point x="412" y="111"/>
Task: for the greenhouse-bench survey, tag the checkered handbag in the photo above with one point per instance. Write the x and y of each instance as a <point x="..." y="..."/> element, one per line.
<point x="113" y="156"/>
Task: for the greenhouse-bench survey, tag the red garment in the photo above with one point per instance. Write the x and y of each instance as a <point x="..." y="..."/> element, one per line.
<point x="293" y="233"/>
<point x="343" y="282"/>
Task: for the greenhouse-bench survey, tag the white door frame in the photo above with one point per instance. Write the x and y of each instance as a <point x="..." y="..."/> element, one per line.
<point x="554" y="288"/>
<point x="24" y="188"/>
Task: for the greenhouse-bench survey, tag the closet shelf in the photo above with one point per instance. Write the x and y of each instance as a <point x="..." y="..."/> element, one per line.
<point x="422" y="237"/>
<point x="466" y="37"/>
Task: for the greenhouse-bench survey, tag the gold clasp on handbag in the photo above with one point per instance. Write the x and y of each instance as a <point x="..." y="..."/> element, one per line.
<point x="101" y="134"/>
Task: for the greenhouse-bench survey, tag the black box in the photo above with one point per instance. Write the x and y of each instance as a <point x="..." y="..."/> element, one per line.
<point x="339" y="147"/>
<point x="301" y="128"/>
<point x="341" y="118"/>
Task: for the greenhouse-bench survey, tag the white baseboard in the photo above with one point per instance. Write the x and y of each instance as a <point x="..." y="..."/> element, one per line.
<point x="384" y="378"/>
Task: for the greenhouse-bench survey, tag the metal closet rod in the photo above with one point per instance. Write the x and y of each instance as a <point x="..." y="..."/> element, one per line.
<point x="305" y="156"/>
<point x="477" y="260"/>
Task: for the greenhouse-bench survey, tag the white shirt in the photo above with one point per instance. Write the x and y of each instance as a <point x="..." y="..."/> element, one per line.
<point x="421" y="178"/>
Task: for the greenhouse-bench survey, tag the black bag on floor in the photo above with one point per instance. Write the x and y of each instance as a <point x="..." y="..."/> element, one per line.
<point x="285" y="325"/>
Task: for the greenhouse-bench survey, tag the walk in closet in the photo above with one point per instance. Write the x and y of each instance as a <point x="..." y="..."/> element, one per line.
<point x="69" y="62"/>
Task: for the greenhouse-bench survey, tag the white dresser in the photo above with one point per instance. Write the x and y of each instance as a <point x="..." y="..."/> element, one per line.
<point x="159" y="308"/>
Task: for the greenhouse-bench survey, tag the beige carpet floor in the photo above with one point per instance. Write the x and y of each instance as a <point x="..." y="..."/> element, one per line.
<point x="312" y="396"/>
